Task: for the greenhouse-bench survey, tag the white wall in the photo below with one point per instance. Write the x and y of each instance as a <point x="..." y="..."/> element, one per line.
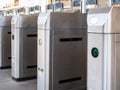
<point x="4" y="3"/>
<point x="29" y="2"/>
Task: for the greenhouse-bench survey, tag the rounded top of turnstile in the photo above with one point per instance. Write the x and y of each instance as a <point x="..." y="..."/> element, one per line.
<point x="25" y="21"/>
<point x="104" y="20"/>
<point x="62" y="20"/>
<point x="5" y="21"/>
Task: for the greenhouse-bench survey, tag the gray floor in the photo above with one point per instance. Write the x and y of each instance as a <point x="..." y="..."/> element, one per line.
<point x="6" y="83"/>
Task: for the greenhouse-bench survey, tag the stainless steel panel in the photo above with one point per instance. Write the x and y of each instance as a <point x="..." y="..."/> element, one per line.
<point x="115" y="19"/>
<point x="28" y="52"/>
<point x="99" y="10"/>
<point x="116" y="75"/>
<point x="5" y="42"/>
<point x="117" y="38"/>
<point x="43" y="59"/>
<point x="109" y="17"/>
<point x="5" y="21"/>
<point x="69" y="61"/>
<point x="15" y="45"/>
<point x="6" y="46"/>
<point x="95" y="66"/>
<point x="25" y="20"/>
<point x="117" y="67"/>
<point x="52" y="20"/>
<point x="109" y="41"/>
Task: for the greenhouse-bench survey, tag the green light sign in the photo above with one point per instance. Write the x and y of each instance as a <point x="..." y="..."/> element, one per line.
<point x="40" y="69"/>
<point x="13" y="37"/>
<point x="95" y="52"/>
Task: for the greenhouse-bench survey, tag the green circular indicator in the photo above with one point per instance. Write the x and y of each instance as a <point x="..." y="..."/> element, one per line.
<point x="95" y="52"/>
<point x="13" y="37"/>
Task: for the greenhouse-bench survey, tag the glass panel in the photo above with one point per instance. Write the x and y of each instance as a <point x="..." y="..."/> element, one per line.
<point x="76" y="3"/>
<point x="116" y="1"/>
<point x="67" y="3"/>
<point x="89" y="2"/>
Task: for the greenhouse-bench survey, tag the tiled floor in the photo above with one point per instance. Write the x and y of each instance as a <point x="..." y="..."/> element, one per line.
<point x="6" y="83"/>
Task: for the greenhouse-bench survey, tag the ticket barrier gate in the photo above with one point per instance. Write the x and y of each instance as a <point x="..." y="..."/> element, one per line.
<point x="24" y="47"/>
<point x="62" y="50"/>
<point x="103" y="49"/>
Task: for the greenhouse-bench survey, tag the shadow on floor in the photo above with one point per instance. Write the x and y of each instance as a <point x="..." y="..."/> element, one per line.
<point x="6" y="83"/>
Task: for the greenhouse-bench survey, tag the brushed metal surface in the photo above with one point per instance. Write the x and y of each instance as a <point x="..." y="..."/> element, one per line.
<point x="5" y="41"/>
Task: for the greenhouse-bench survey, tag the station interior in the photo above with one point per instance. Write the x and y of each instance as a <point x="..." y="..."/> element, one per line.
<point x="59" y="44"/>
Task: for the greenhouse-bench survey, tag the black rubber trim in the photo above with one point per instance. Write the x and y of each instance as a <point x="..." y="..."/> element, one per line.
<point x="9" y="32"/>
<point x="70" y="39"/>
<point x="24" y="79"/>
<point x="69" y="80"/>
<point x="9" y="57"/>
<point x="5" y="67"/>
<point x="33" y="66"/>
<point x="32" y="35"/>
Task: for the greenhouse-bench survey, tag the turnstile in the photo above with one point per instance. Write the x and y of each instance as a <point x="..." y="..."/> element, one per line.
<point x="62" y="51"/>
<point x="24" y="47"/>
<point x="103" y="49"/>
<point x="5" y="42"/>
